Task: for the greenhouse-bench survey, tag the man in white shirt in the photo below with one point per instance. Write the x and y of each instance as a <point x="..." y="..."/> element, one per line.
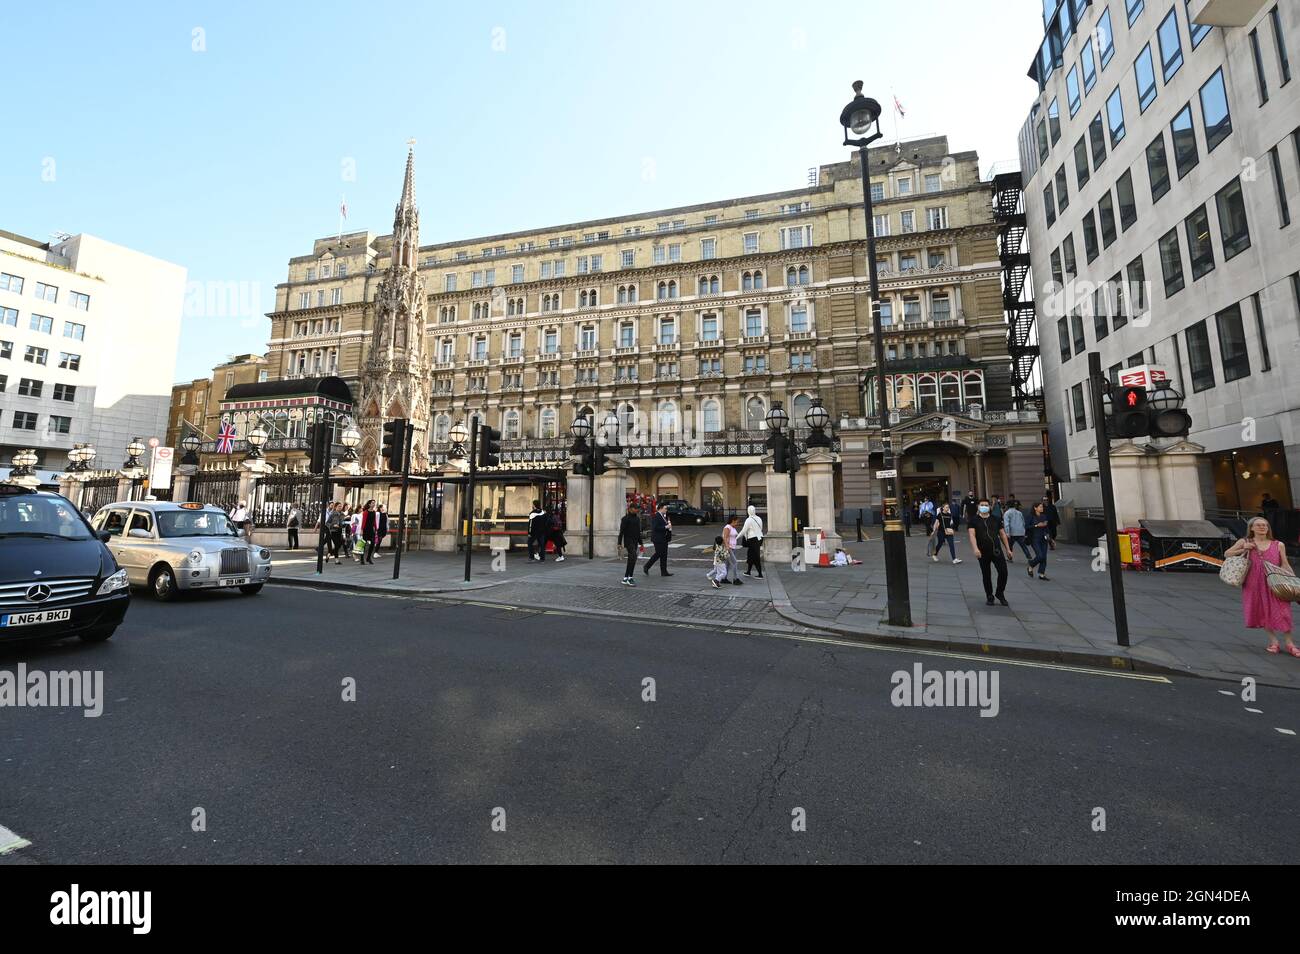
<point x="239" y="517"/>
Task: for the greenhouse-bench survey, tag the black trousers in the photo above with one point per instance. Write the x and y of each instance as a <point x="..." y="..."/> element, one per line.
<point x="630" y="569"/>
<point x="661" y="555"/>
<point x="293" y="538"/>
<point x="999" y="561"/>
<point x="537" y="545"/>
<point x="335" y="538"/>
<point x="754" y="556"/>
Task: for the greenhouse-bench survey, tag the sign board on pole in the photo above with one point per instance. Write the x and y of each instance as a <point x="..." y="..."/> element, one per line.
<point x="1147" y="376"/>
<point x="882" y="474"/>
<point x="160" y="468"/>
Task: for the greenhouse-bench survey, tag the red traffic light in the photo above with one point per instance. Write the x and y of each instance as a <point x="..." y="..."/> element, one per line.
<point x="1131" y="398"/>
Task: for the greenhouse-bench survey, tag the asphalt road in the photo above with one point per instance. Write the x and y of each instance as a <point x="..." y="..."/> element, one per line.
<point x="233" y="704"/>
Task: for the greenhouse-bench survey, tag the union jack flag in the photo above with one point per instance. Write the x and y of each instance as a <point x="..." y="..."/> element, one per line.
<point x="226" y="438"/>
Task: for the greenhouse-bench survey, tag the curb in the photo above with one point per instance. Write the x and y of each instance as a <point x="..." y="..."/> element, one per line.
<point x="785" y="608"/>
<point x="377" y="589"/>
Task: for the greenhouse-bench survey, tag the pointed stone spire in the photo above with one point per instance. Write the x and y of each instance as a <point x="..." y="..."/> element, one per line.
<point x="406" y="219"/>
<point x="408" y="186"/>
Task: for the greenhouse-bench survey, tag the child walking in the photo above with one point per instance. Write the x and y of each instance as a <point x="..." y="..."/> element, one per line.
<point x="721" y="559"/>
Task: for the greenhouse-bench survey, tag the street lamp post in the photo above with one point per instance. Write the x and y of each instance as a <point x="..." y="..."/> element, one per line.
<point x="861" y="122"/>
<point x="256" y="438"/>
<point x="581" y="430"/>
<point x="132" y="464"/>
<point x="777" y="419"/>
<point x="191" y="443"/>
<point x="458" y="435"/>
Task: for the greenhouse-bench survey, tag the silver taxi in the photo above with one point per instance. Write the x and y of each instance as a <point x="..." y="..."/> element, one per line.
<point x="171" y="547"/>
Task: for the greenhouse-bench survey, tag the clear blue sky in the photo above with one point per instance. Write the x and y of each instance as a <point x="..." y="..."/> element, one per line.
<point x="230" y="160"/>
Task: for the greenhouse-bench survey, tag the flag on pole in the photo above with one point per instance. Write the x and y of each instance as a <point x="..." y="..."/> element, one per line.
<point x="898" y="107"/>
<point x="343" y="207"/>
<point x="226" y="438"/>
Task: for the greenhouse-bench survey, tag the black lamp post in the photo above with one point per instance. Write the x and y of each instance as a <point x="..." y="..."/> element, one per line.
<point x="581" y="430"/>
<point x="132" y="464"/>
<point x="861" y="122"/>
<point x="817" y="417"/>
<point x="191" y="443"/>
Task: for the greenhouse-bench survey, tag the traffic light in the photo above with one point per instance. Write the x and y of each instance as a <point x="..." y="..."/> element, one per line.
<point x="1134" y="414"/>
<point x="489" y="446"/>
<point x="1129" y="412"/>
<point x="318" y="437"/>
<point x="583" y="467"/>
<point x="598" y="463"/>
<point x="394" y="443"/>
<point x="785" y="456"/>
<point x="1171" y="422"/>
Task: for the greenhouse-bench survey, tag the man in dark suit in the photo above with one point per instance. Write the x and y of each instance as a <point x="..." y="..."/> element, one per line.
<point x="629" y="537"/>
<point x="659" y="534"/>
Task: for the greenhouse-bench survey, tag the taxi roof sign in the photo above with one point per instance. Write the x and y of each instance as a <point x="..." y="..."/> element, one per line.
<point x="192" y="505"/>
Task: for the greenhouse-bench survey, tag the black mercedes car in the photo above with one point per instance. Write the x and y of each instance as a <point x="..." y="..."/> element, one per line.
<point x="57" y="579"/>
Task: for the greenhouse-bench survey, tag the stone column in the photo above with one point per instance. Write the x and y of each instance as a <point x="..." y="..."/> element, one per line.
<point x="979" y="474"/>
<point x="1126" y="476"/>
<point x="819" y="472"/>
<point x="776" y="544"/>
<point x="124" y="486"/>
<point x="70" y="487"/>
<point x="1153" y="497"/>
<point x="249" y="472"/>
<point x="444" y="538"/>
<point x="1178" y="466"/>
<point x="181" y="481"/>
<point x="577" y="500"/>
<point x="611" y="505"/>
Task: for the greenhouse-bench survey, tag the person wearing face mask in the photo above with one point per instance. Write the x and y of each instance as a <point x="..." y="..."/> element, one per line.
<point x="988" y="538"/>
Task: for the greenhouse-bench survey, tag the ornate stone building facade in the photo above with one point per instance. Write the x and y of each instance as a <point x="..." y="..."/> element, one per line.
<point x="687" y="323"/>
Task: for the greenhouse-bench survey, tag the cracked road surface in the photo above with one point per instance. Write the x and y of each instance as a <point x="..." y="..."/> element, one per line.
<point x="234" y="705"/>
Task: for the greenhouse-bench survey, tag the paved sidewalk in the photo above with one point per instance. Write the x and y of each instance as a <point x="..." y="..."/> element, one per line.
<point x="1186" y="622"/>
<point x="592" y="586"/>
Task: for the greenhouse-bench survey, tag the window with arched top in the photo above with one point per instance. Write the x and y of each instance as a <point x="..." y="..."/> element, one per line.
<point x="666" y="418"/>
<point x="626" y="422"/>
<point x="927" y="391"/>
<point x="546" y="423"/>
<point x="755" y="414"/>
<point x="799" y="410"/>
<point x="712" y="416"/>
<point x="621" y="296"/>
<point x="510" y="425"/>
<point x="950" y="391"/>
<point x="441" y="428"/>
<point x="972" y="386"/>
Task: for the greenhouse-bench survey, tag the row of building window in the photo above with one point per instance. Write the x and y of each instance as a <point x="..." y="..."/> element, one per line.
<point x="903" y="186"/>
<point x="14" y="285"/>
<point x="55" y="423"/>
<point x="35" y="355"/>
<point x="486" y="278"/>
<point x="936" y="218"/>
<point x="305" y="298"/>
<point x="43" y="324"/>
<point x="666" y="419"/>
<point x="710" y="328"/>
<point x="31" y="387"/>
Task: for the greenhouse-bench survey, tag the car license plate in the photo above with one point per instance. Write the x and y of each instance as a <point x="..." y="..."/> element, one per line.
<point x="235" y="581"/>
<point x="32" y="619"/>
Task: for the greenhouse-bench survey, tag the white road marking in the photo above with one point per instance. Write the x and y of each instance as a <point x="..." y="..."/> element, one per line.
<point x="11" y="842"/>
<point x="1286" y="731"/>
<point x="1256" y="711"/>
<point x="1226" y="692"/>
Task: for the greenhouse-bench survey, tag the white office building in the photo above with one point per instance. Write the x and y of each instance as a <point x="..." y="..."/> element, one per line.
<point x="88" y="338"/>
<point x="1161" y="166"/>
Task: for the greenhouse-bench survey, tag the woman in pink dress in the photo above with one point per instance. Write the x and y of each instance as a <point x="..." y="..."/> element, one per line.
<point x="1261" y="608"/>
